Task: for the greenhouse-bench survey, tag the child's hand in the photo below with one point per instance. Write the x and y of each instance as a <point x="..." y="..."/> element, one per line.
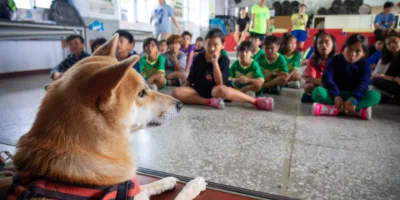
<point x="339" y="102"/>
<point x="349" y="107"/>
<point x="378" y="75"/>
<point x="243" y="79"/>
<point x="397" y="80"/>
<point x="214" y="57"/>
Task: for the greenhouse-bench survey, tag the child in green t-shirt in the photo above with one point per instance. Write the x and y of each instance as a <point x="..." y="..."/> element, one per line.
<point x="292" y="57"/>
<point x="245" y="73"/>
<point x="256" y="41"/>
<point x="152" y="65"/>
<point x="273" y="65"/>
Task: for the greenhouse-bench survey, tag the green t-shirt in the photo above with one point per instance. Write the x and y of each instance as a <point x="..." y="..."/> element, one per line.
<point x="148" y="69"/>
<point x="293" y="61"/>
<point x="257" y="55"/>
<point x="252" y="71"/>
<point x="261" y="18"/>
<point x="223" y="52"/>
<point x="278" y="65"/>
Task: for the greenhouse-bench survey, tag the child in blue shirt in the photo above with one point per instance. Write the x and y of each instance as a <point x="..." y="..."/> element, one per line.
<point x="345" y="83"/>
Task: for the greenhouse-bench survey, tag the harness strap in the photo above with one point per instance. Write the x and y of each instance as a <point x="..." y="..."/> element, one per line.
<point x="122" y="191"/>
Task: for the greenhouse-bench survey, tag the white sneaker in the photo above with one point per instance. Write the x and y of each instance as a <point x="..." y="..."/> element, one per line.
<point x="251" y="93"/>
<point x="294" y="84"/>
<point x="154" y="87"/>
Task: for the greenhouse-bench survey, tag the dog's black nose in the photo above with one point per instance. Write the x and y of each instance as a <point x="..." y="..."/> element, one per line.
<point x="179" y="105"/>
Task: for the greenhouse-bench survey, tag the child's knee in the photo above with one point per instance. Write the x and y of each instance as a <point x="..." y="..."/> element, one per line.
<point x="297" y="77"/>
<point x="309" y="87"/>
<point x="220" y="91"/>
<point x="281" y="80"/>
<point x="177" y="94"/>
<point x="257" y="86"/>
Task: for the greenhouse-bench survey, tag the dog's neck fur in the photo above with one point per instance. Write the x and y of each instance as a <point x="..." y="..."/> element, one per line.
<point x="71" y="140"/>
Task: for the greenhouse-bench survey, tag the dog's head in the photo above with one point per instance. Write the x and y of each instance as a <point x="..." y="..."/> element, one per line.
<point x="86" y="119"/>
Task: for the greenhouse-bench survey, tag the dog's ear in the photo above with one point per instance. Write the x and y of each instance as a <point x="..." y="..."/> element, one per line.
<point x="103" y="83"/>
<point x="109" y="48"/>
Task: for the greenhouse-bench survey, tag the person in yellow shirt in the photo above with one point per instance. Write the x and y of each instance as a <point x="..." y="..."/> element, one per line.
<point x="260" y="19"/>
<point x="299" y="22"/>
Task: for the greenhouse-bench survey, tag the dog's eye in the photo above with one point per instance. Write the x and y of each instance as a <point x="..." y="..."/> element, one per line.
<point x="142" y="93"/>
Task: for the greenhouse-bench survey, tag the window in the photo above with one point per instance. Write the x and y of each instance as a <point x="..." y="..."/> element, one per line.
<point x="29" y="4"/>
<point x="144" y="9"/>
<point x="25" y="4"/>
<point x="43" y="3"/>
<point x="127" y="11"/>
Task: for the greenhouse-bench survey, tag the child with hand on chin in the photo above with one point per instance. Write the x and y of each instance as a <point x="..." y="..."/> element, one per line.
<point x="345" y="83"/>
<point x="206" y="84"/>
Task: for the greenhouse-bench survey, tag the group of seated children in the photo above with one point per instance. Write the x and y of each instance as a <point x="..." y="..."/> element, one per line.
<point x="335" y="83"/>
<point x="340" y="83"/>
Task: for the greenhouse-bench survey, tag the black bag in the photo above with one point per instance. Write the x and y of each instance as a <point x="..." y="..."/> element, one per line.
<point x="65" y="14"/>
<point x="5" y="10"/>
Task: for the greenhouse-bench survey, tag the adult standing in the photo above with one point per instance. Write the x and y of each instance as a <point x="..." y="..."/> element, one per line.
<point x="385" y="20"/>
<point x="260" y="19"/>
<point x="299" y="22"/>
<point x="162" y="25"/>
<point x="242" y="26"/>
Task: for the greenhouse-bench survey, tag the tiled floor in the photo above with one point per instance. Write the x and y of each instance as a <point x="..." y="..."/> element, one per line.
<point x="286" y="152"/>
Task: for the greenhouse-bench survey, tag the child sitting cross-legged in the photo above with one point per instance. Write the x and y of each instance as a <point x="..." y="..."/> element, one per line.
<point x="206" y="84"/>
<point x="345" y="83"/>
<point x="326" y="49"/>
<point x="292" y="57"/>
<point x="273" y="66"/>
<point x="245" y="73"/>
<point x="152" y="65"/>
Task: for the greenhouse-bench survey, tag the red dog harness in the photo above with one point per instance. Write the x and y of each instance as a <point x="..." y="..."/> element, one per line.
<point x="26" y="186"/>
<point x="40" y="187"/>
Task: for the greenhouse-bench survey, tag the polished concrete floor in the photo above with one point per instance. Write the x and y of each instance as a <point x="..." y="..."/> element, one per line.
<point x="287" y="152"/>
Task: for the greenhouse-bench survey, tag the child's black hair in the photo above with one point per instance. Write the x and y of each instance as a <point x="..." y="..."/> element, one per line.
<point x="216" y="33"/>
<point x="285" y="40"/>
<point x="271" y="39"/>
<point x="379" y="34"/>
<point x="98" y="42"/>
<point x="200" y="39"/>
<point x="72" y="37"/>
<point x="162" y="41"/>
<point x="353" y="39"/>
<point x="388" y="4"/>
<point x="245" y="45"/>
<point x="317" y="56"/>
<point x="186" y="33"/>
<point x="127" y="35"/>
<point x="256" y="36"/>
<point x="387" y="56"/>
<point x="148" y="41"/>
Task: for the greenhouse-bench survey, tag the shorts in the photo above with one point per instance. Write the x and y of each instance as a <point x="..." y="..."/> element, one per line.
<point x="169" y="71"/>
<point x="261" y="36"/>
<point x="202" y="92"/>
<point x="300" y="35"/>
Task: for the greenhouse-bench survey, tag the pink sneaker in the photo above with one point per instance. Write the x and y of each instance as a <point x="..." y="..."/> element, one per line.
<point x="265" y="103"/>
<point x="217" y="103"/>
<point x="321" y="109"/>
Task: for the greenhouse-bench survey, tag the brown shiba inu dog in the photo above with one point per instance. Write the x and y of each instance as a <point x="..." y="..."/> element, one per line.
<point x="82" y="131"/>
